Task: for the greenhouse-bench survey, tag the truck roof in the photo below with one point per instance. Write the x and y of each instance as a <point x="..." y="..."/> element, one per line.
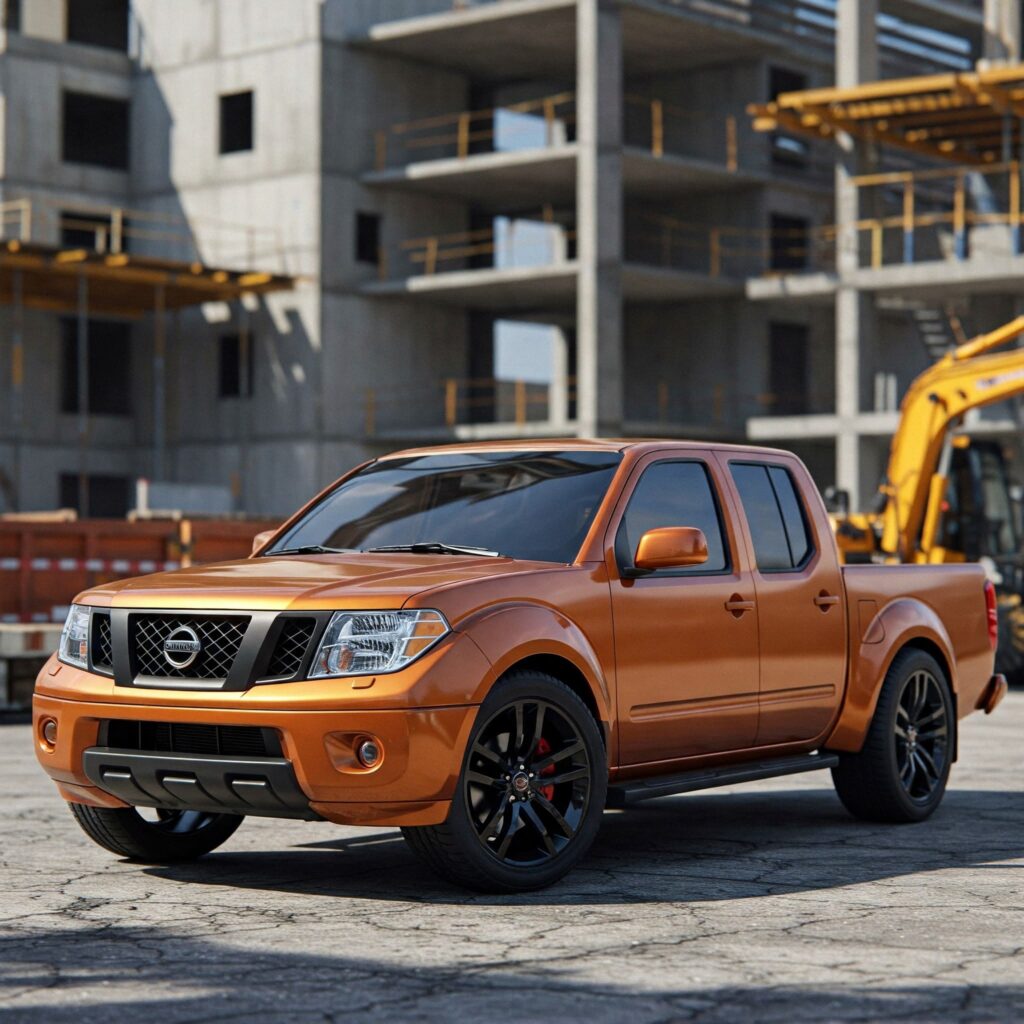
<point x="638" y="445"/>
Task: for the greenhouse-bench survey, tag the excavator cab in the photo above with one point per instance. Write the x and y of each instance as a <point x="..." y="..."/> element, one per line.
<point x="980" y="519"/>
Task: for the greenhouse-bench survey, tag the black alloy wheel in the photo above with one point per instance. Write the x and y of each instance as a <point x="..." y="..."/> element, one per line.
<point x="527" y="783"/>
<point x="921" y="735"/>
<point x="900" y="772"/>
<point x="531" y="793"/>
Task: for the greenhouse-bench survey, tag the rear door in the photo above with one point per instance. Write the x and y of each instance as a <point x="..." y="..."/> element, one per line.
<point x="800" y="600"/>
<point x="685" y="639"/>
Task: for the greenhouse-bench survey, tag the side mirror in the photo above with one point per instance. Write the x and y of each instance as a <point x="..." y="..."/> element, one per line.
<point x="671" y="547"/>
<point x="260" y="539"/>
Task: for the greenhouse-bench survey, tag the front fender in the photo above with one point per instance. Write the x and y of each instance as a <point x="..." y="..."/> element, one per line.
<point x="898" y="624"/>
<point x="510" y="633"/>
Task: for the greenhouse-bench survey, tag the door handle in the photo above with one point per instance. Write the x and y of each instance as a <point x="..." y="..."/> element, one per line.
<point x="738" y="606"/>
<point x="825" y="601"/>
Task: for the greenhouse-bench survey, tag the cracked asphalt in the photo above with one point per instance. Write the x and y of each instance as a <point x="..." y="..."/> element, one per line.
<point x="764" y="902"/>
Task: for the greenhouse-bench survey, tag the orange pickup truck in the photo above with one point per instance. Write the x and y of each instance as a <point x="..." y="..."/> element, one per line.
<point x="487" y="645"/>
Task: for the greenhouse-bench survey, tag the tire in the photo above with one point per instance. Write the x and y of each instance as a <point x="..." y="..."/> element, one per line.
<point x="901" y="772"/>
<point x="174" y="836"/>
<point x="509" y="830"/>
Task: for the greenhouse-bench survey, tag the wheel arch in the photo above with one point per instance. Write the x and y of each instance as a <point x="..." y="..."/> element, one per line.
<point x="520" y="637"/>
<point x="902" y="624"/>
<point x="560" y="668"/>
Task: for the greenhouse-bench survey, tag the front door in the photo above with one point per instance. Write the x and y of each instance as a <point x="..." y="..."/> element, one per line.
<point x="686" y="640"/>
<point x="800" y="601"/>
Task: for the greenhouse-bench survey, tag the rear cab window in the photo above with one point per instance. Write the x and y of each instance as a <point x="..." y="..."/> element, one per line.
<point x="674" y="493"/>
<point x="775" y="516"/>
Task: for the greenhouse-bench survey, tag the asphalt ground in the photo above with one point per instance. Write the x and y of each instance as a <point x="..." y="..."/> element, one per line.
<point x="764" y="902"/>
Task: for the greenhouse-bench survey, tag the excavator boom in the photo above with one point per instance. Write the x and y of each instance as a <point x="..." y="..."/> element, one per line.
<point x="969" y="377"/>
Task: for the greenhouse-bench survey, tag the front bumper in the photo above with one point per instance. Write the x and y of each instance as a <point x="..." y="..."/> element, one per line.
<point x="263" y="786"/>
<point x="413" y="784"/>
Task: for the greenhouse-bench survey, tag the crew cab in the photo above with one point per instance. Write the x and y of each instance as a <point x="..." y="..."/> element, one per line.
<point x="487" y="645"/>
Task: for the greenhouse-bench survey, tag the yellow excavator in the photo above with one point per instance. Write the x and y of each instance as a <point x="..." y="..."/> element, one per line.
<point x="946" y="497"/>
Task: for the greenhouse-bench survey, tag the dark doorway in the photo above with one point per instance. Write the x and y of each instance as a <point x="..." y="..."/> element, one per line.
<point x="789" y="369"/>
<point x="110" y="496"/>
<point x="109" y="367"/>
<point x="790" y="242"/>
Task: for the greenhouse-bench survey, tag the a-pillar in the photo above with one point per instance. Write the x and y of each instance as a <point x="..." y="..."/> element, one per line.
<point x="856" y="324"/>
<point x="599" y="98"/>
<point x="558" y="395"/>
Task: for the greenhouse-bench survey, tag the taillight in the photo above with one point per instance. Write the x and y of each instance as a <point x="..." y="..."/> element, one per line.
<point x="993" y="614"/>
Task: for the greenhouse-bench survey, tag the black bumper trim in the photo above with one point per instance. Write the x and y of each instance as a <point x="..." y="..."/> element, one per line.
<point x="260" y="786"/>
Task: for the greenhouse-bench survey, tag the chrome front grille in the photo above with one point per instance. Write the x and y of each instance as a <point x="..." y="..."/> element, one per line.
<point x="220" y="638"/>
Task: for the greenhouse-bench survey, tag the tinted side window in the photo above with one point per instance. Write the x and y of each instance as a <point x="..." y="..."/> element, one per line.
<point x="773" y="512"/>
<point x="673" y="494"/>
<point x="792" y="514"/>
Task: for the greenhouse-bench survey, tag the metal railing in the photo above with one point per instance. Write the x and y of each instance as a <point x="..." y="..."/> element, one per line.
<point x="459" y="401"/>
<point x="114" y="230"/>
<point x="938" y="214"/>
<point x="482" y="248"/>
<point x="934" y="214"/>
<point x="466" y="132"/>
<point x="650" y="123"/>
<point x="456" y="402"/>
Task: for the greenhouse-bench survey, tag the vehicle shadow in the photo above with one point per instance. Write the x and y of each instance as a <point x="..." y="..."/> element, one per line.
<point x="120" y="975"/>
<point x="685" y="849"/>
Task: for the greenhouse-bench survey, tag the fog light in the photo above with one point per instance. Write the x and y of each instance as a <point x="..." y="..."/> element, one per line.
<point x="369" y="753"/>
<point x="50" y="731"/>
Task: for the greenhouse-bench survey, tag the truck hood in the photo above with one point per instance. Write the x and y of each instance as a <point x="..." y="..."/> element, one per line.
<point x="357" y="580"/>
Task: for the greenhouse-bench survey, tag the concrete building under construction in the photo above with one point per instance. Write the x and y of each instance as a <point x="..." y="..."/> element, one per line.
<point x="250" y="243"/>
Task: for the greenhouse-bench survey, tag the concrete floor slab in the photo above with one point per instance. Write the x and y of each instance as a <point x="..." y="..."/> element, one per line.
<point x="764" y="902"/>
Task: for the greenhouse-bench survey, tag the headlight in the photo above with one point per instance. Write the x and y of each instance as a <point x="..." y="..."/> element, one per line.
<point x="364" y="643"/>
<point x="74" y="638"/>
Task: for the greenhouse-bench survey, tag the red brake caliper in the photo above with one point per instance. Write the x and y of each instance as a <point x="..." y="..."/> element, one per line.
<point x="544" y="748"/>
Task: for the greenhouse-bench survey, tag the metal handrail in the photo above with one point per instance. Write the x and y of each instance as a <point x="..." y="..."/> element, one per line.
<point x="114" y="227"/>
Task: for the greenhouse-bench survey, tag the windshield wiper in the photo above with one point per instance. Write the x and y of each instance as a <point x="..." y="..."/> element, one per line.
<point x="309" y="549"/>
<point x="436" y="547"/>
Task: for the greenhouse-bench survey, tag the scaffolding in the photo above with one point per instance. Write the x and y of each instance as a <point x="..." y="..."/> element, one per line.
<point x="970" y="118"/>
<point x="108" y="277"/>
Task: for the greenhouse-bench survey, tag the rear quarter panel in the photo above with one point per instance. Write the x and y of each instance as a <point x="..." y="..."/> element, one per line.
<point x="891" y="606"/>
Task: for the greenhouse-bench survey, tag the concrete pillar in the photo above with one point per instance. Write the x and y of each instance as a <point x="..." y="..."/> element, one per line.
<point x="82" y="357"/>
<point x="17" y="384"/>
<point x="599" y="97"/>
<point x="856" y="62"/>
<point x="159" y="386"/>
<point x="1002" y="32"/>
<point x="558" y="392"/>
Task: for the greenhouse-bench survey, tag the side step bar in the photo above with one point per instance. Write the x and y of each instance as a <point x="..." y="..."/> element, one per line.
<point x="622" y="794"/>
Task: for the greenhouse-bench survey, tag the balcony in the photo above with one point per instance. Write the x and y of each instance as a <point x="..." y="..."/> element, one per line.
<point x="469" y="409"/>
<point x="935" y="233"/>
<point x="523" y="264"/>
<point x="526" y="152"/>
<point x="515" y="39"/>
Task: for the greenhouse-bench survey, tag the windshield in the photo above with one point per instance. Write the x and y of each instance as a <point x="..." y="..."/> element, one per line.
<point x="529" y="505"/>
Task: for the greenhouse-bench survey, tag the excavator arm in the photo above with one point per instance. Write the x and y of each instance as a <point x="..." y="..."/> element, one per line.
<point x="969" y="377"/>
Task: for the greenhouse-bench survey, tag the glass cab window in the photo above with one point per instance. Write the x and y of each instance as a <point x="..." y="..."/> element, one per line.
<point x="673" y="494"/>
<point x="775" y="517"/>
